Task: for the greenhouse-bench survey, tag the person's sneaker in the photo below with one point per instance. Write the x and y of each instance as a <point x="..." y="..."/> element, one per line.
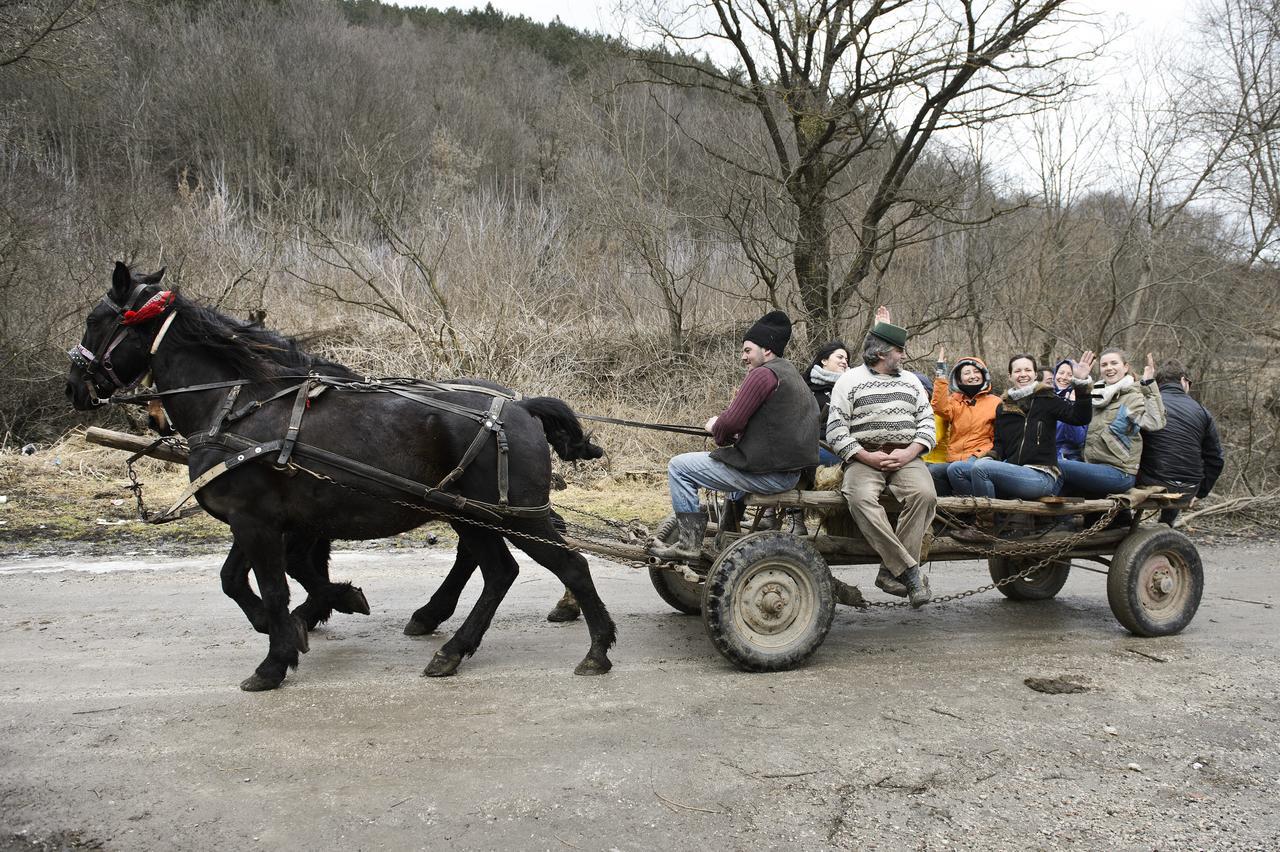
<point x="890" y="584"/>
<point x="917" y="584"/>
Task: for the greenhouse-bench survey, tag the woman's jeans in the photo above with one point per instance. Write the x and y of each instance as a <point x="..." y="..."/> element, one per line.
<point x="688" y="472"/>
<point x="1083" y="479"/>
<point x="991" y="478"/>
<point x="953" y="478"/>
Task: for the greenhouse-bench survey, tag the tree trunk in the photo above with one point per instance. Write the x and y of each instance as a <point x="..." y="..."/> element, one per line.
<point x="813" y="253"/>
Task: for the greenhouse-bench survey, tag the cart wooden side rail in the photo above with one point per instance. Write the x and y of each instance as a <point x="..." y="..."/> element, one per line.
<point x="767" y="598"/>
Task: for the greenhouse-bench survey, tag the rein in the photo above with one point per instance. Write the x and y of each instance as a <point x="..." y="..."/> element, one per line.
<point x="657" y="427"/>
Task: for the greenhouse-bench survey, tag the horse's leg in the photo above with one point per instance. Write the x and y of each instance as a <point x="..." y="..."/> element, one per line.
<point x="307" y="561"/>
<point x="445" y="600"/>
<point x="566" y="609"/>
<point x="235" y="585"/>
<point x="499" y="569"/>
<point x="263" y="546"/>
<point x="571" y="568"/>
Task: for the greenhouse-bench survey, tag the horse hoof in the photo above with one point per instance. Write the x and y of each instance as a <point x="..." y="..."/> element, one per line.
<point x="417" y="628"/>
<point x="352" y="600"/>
<point x="300" y="628"/>
<point x="564" y="612"/>
<point x="257" y="683"/>
<point x="592" y="666"/>
<point x="442" y="665"/>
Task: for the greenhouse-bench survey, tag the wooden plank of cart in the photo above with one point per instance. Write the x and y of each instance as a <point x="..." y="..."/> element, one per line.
<point x="767" y="598"/>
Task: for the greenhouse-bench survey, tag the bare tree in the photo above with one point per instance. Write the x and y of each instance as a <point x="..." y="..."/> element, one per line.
<point x="46" y="36"/>
<point x="1243" y="41"/>
<point x="849" y="94"/>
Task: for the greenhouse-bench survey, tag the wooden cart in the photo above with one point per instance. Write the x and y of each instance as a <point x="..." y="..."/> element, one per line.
<point x="767" y="598"/>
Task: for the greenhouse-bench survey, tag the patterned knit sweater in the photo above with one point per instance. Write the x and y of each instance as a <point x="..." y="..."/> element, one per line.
<point x="870" y="408"/>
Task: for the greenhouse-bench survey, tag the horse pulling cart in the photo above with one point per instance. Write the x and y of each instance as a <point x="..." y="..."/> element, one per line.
<point x="316" y="452"/>
<point x="768" y="597"/>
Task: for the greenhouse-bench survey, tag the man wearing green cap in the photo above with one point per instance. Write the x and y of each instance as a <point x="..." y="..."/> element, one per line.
<point x="765" y="438"/>
<point x="880" y="424"/>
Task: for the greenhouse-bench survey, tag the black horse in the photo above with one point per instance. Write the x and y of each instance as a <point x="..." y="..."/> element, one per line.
<point x="282" y="515"/>
<point x="307" y="557"/>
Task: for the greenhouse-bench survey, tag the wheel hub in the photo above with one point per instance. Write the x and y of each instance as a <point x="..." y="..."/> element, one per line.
<point x="770" y="602"/>
<point x="1161" y="585"/>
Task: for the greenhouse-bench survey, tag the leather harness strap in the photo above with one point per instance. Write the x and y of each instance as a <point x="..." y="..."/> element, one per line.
<point x="295" y="423"/>
<point x="220" y="418"/>
<point x="312" y="386"/>
<point x="491" y="423"/>
<point x="233" y="461"/>
<point x="244" y="450"/>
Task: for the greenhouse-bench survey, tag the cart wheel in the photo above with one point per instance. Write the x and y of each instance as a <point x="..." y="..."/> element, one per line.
<point x="767" y="602"/>
<point x="683" y="595"/>
<point x="1155" y="582"/>
<point x="1039" y="586"/>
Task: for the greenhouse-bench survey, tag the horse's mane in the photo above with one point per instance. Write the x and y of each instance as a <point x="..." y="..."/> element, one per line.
<point x="255" y="352"/>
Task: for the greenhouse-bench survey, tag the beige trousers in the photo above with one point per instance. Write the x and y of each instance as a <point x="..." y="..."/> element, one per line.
<point x="899" y="548"/>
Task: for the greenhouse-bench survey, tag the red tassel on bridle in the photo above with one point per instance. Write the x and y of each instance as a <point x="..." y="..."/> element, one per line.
<point x="154" y="307"/>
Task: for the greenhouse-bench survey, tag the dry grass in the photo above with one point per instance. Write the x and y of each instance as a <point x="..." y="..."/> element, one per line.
<point x="78" y="492"/>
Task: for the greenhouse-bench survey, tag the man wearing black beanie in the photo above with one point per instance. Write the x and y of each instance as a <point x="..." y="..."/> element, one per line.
<point x="765" y="438"/>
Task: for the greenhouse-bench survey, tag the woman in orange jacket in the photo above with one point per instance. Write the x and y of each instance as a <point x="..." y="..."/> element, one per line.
<point x="963" y="399"/>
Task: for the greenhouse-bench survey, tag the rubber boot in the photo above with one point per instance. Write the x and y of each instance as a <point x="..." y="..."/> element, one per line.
<point x="731" y="518"/>
<point x="688" y="548"/>
<point x="797" y="522"/>
<point x="917" y="586"/>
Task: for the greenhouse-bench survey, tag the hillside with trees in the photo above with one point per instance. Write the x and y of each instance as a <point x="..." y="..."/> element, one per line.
<point x="418" y="192"/>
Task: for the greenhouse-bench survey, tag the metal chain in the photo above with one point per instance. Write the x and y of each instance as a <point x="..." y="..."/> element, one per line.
<point x="135" y="485"/>
<point x="475" y="522"/>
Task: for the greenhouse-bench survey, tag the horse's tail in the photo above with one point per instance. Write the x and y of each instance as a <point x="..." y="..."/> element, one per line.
<point x="564" y="432"/>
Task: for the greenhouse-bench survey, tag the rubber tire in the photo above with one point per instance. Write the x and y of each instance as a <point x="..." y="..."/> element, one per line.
<point x="749" y="567"/>
<point x="1147" y="547"/>
<point x="1047" y="582"/>
<point x="682" y="595"/>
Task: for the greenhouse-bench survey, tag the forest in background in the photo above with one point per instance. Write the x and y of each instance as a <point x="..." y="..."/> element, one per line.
<point x="440" y="194"/>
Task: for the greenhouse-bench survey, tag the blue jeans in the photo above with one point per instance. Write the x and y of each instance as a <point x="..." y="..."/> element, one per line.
<point x="991" y="478"/>
<point x="958" y="477"/>
<point x="826" y="458"/>
<point x="1083" y="479"/>
<point x="688" y="472"/>
<point x="941" y="485"/>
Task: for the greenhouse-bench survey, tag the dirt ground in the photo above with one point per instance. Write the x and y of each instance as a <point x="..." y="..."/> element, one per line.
<point x="122" y="727"/>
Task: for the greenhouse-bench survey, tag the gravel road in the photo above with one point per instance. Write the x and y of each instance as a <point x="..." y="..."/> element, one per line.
<point x="123" y="728"/>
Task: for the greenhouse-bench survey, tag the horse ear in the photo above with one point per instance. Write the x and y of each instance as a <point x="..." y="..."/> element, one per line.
<point x="154" y="278"/>
<point x="120" y="281"/>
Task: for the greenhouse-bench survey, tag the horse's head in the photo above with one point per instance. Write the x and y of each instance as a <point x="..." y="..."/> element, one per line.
<point x="115" y="350"/>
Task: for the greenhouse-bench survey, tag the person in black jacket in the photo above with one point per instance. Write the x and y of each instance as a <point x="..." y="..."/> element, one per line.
<point x="828" y="365"/>
<point x="1022" y="462"/>
<point x="1186" y="455"/>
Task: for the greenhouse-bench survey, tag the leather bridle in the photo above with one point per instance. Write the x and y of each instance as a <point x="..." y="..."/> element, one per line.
<point x="97" y="365"/>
